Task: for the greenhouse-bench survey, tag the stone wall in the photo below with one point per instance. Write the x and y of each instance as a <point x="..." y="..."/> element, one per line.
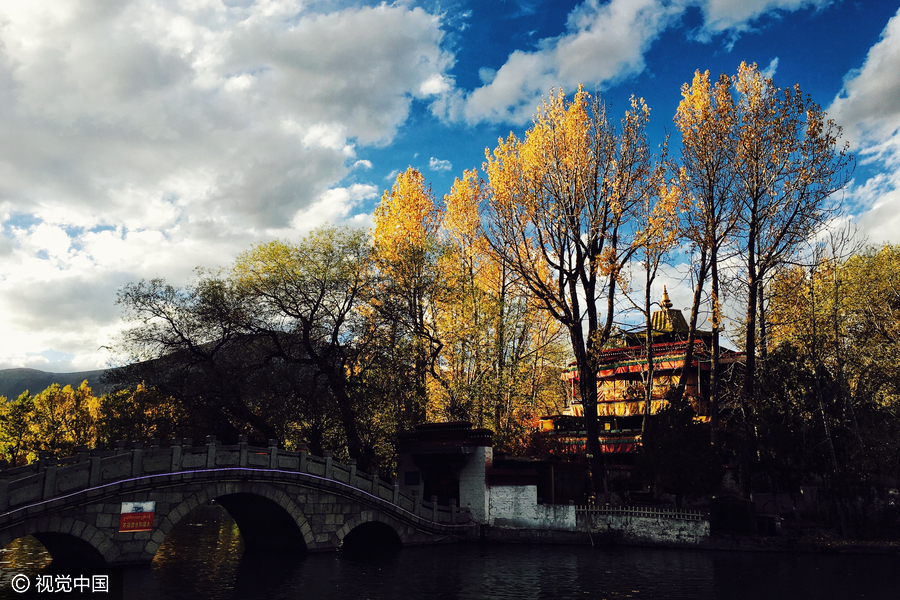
<point x="516" y="506"/>
<point x="658" y="530"/>
<point x="515" y="516"/>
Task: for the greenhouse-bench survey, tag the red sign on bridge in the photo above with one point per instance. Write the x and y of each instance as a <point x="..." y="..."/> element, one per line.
<point x="137" y="516"/>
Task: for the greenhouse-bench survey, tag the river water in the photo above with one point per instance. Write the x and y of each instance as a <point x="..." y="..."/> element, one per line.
<point x="205" y="558"/>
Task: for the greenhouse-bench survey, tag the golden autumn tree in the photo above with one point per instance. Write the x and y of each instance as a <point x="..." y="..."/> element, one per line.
<point x="866" y="331"/>
<point x="406" y="251"/>
<point x="16" y="437"/>
<point x="845" y="314"/>
<point x="502" y="355"/>
<point x="466" y="313"/>
<point x="139" y="414"/>
<point x="706" y="120"/>
<point x="657" y="218"/>
<point x="64" y="418"/>
<point x="787" y="164"/>
<point x="559" y="206"/>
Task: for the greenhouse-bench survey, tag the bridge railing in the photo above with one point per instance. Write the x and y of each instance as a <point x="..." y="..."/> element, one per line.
<point x="647" y="512"/>
<point x="51" y="478"/>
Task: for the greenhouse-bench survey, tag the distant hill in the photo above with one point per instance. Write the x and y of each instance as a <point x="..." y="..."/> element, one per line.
<point x="15" y="381"/>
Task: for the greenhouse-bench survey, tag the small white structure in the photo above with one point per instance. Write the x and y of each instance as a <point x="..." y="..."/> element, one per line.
<point x="514" y="504"/>
<point x="448" y="461"/>
<point x="452" y="462"/>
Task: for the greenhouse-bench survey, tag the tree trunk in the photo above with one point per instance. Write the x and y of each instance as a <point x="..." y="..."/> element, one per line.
<point x="334" y="375"/>
<point x="714" y="366"/>
<point x="752" y="295"/>
<point x="648" y="384"/>
<point x="818" y="367"/>
<point x="843" y="392"/>
<point x="692" y="326"/>
<point x="763" y="326"/>
<point x="587" y="384"/>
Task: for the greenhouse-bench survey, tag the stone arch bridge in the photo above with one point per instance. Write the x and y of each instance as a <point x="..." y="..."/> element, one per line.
<point x="281" y="501"/>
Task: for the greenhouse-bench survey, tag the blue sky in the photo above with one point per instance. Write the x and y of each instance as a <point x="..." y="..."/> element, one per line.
<point x="144" y="138"/>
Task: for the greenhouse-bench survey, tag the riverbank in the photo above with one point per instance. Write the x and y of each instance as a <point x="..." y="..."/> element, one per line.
<point x="814" y="545"/>
<point x="715" y="541"/>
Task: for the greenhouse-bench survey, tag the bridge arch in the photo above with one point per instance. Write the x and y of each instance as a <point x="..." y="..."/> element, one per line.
<point x="373" y="527"/>
<point x="267" y="518"/>
<point x="264" y="525"/>
<point x="70" y="542"/>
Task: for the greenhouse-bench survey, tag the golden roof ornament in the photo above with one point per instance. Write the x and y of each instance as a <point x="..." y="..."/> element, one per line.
<point x="666" y="303"/>
<point x="668" y="320"/>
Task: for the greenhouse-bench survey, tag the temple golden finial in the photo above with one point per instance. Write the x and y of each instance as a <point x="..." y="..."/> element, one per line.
<point x="666" y="303"/>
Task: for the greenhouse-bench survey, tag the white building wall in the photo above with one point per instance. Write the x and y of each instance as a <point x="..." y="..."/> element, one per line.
<point x="516" y="506"/>
<point x="473" y="488"/>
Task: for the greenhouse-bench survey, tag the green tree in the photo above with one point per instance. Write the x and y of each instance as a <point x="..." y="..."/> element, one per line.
<point x="837" y="324"/>
<point x="307" y="303"/>
<point x="194" y="344"/>
<point x="140" y="414"/>
<point x="788" y="445"/>
<point x="280" y="345"/>
<point x="676" y="455"/>
<point x="16" y="438"/>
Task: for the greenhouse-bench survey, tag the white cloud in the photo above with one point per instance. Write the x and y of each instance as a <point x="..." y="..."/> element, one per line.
<point x="335" y="205"/>
<point x="439" y="165"/>
<point x="437" y="84"/>
<point x="771" y="69"/>
<point x="868" y="108"/>
<point x="869" y="104"/>
<point x="60" y="287"/>
<point x="738" y="15"/>
<point x="145" y="137"/>
<point x="881" y="223"/>
<point x="49" y="240"/>
<point x="103" y="99"/>
<point x="324" y="135"/>
<point x="603" y="44"/>
<point x="487" y="75"/>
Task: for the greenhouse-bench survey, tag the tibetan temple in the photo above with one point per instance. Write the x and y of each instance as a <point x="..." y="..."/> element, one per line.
<point x="621" y="379"/>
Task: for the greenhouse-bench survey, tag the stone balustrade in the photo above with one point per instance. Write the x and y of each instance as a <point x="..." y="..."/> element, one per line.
<point x="50" y="478"/>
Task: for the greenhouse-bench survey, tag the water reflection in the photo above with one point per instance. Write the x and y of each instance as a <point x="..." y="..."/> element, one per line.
<point x="204" y="557"/>
<point x="201" y="555"/>
<point x="25" y="555"/>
